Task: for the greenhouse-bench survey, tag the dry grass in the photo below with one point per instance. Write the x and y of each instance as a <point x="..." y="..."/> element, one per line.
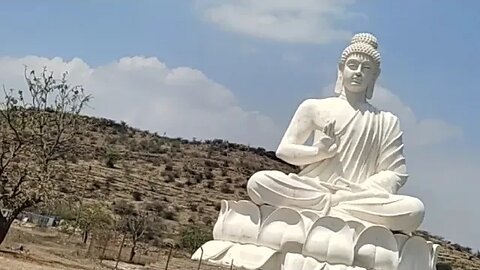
<point x="49" y="249"/>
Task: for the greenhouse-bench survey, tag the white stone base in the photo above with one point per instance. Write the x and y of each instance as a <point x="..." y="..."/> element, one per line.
<point x="271" y="238"/>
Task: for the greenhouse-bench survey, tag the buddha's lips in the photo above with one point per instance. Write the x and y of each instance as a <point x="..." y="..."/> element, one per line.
<point x="356" y="80"/>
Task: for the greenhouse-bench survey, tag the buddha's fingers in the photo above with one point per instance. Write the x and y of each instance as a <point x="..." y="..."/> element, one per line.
<point x="326" y="129"/>
<point x="332" y="129"/>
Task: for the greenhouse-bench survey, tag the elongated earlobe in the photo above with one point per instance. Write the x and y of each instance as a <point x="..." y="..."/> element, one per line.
<point x="339" y="84"/>
<point x="370" y="88"/>
<point x="369" y="92"/>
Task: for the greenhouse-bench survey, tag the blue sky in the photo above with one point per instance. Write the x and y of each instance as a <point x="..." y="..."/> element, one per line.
<point x="432" y="46"/>
<point x="259" y="74"/>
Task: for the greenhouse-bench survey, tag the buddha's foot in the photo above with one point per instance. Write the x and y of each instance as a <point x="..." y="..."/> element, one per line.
<point x="269" y="238"/>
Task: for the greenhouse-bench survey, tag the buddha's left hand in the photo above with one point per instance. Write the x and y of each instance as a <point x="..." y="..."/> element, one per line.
<point x="353" y="187"/>
<point x="362" y="188"/>
<point x="355" y="192"/>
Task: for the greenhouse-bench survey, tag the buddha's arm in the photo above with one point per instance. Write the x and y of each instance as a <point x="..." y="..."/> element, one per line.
<point x="391" y="168"/>
<point x="292" y="148"/>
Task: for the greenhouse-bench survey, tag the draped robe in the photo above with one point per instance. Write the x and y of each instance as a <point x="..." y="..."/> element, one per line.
<point x="369" y="153"/>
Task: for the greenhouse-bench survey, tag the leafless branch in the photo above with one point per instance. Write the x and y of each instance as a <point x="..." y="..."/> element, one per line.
<point x="35" y="131"/>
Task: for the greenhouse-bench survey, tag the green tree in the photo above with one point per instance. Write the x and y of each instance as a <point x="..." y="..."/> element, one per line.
<point x="38" y="127"/>
<point x="94" y="217"/>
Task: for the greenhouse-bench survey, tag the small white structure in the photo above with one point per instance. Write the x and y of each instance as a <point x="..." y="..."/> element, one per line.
<point x="342" y="211"/>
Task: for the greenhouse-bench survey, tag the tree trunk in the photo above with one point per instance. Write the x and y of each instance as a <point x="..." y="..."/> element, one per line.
<point x="4" y="228"/>
<point x="85" y="237"/>
<point x="132" y="252"/>
<point x="90" y="246"/>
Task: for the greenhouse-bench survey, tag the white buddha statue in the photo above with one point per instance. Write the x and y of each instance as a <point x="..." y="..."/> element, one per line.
<point x="342" y="211"/>
<point x="356" y="165"/>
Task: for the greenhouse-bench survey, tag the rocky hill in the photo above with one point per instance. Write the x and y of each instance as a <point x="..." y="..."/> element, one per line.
<point x="181" y="180"/>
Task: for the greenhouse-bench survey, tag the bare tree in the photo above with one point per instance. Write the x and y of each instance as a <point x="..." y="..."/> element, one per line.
<point x="137" y="225"/>
<point x="134" y="221"/>
<point x="37" y="129"/>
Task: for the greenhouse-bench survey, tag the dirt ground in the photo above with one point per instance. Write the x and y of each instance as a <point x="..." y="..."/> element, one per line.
<point x="41" y="249"/>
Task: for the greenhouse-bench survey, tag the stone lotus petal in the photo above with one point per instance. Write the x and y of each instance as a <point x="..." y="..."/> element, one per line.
<point x="282" y="227"/>
<point x="310" y="263"/>
<point x="376" y="248"/>
<point x="330" y="240"/>
<point x="218" y="227"/>
<point x="299" y="262"/>
<point x="356" y="226"/>
<point x="245" y="213"/>
<point x="250" y="257"/>
<point x="434" y="249"/>
<point x="242" y="255"/>
<point x="212" y="250"/>
<point x="309" y="217"/>
<point x="415" y="255"/>
<point x="265" y="211"/>
<point x="295" y="261"/>
<point x="401" y="240"/>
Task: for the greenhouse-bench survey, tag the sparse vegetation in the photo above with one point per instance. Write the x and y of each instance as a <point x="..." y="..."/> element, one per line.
<point x="137" y="196"/>
<point x="94" y="217"/>
<point x="193" y="236"/>
<point x="134" y="221"/>
<point x="111" y="158"/>
<point x="227" y="189"/>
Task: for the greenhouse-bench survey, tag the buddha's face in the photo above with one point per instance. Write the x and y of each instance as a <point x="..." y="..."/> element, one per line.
<point x="359" y="72"/>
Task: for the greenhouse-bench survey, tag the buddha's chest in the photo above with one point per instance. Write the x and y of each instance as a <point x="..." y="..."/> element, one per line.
<point x="342" y="115"/>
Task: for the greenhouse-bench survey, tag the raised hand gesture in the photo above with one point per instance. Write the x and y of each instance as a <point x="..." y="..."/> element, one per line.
<point x="327" y="144"/>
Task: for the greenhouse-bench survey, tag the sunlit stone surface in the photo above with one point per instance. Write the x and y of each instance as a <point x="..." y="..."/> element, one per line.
<point x="342" y="211"/>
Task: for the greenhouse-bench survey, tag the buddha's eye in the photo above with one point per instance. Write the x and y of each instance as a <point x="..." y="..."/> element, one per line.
<point x="352" y="65"/>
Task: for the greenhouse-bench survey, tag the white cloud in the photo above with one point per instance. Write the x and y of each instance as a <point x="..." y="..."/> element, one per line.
<point x="147" y="94"/>
<point x="294" y="21"/>
<point x="418" y="132"/>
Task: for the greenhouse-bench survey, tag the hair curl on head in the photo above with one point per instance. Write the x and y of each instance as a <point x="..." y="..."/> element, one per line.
<point x="363" y="43"/>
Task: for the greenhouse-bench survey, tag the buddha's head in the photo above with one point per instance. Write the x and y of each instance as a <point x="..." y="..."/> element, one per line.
<point x="359" y="66"/>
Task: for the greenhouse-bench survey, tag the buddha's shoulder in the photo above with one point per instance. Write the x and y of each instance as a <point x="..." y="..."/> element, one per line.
<point x="388" y="116"/>
<point x="323" y="103"/>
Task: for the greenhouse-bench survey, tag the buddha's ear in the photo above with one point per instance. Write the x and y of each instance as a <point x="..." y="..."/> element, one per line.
<point x="370" y="88"/>
<point x="339" y="84"/>
<point x="369" y="92"/>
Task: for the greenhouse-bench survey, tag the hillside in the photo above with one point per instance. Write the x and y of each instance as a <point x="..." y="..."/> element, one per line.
<point x="181" y="180"/>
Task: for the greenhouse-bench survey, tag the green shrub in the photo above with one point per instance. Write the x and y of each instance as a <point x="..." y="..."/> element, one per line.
<point x="111" y="158"/>
<point x="194" y="236"/>
<point x="137" y="196"/>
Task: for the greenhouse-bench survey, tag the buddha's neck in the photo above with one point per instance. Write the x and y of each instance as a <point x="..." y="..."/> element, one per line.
<point x="356" y="100"/>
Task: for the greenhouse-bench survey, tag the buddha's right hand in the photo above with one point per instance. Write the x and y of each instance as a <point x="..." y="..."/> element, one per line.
<point x="327" y="145"/>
